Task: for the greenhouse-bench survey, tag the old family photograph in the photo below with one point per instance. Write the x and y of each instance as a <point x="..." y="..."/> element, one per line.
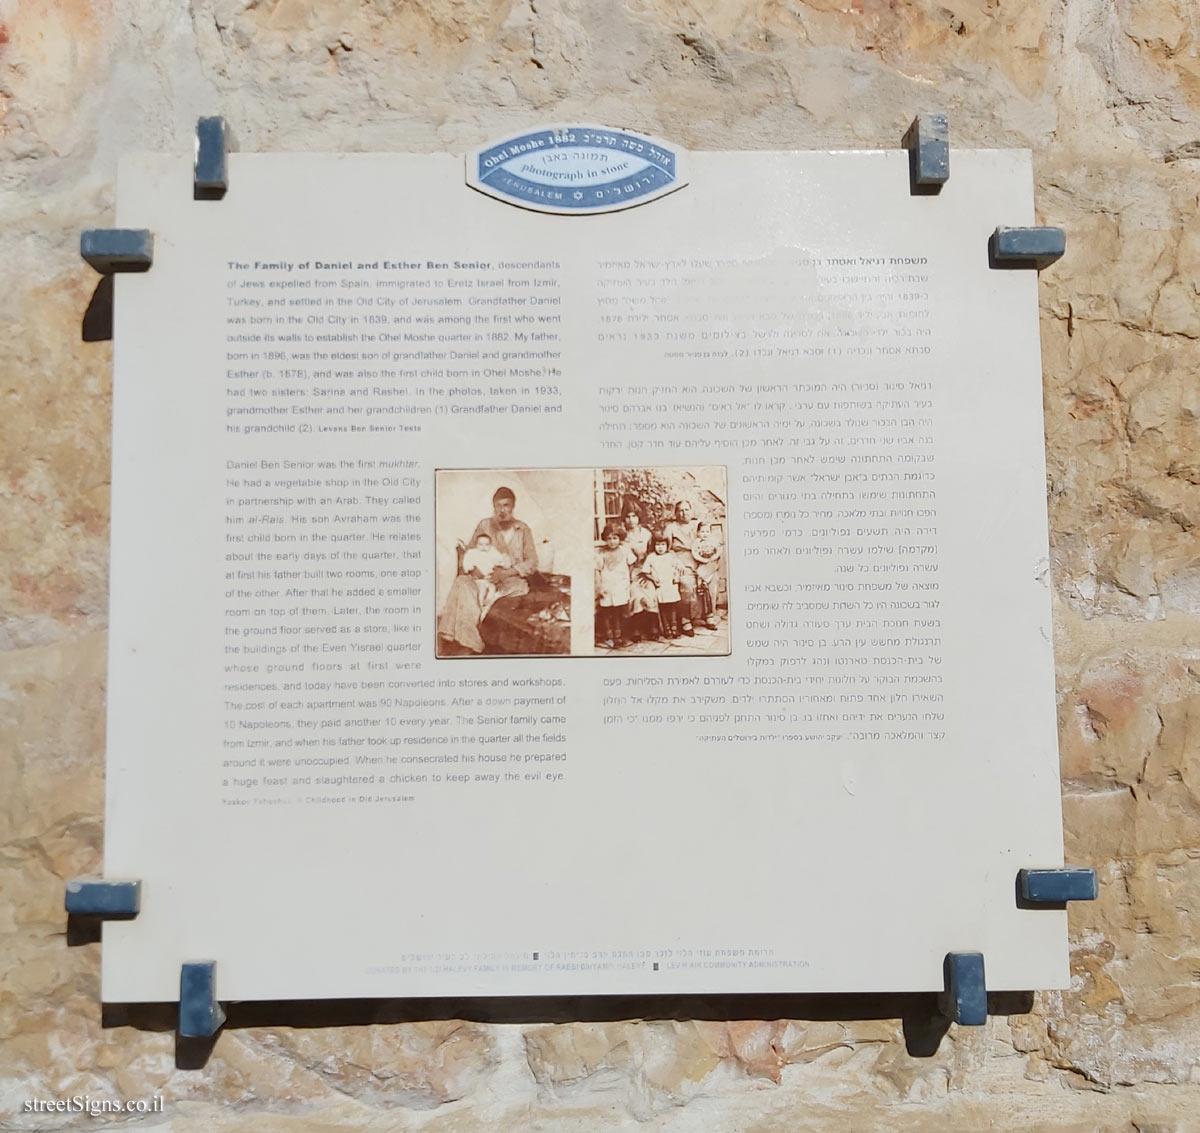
<point x="582" y="562"/>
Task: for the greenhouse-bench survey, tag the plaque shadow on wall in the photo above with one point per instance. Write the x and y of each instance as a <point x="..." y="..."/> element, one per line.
<point x="97" y="325"/>
<point x="922" y="1023"/>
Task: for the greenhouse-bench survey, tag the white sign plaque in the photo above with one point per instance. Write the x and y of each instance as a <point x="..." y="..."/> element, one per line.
<point x="644" y="602"/>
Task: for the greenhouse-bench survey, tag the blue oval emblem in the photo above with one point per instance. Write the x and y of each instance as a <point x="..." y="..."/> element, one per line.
<point x="576" y="169"/>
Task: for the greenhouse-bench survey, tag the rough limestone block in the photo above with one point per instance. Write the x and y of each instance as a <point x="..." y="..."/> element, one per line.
<point x="1113" y="135"/>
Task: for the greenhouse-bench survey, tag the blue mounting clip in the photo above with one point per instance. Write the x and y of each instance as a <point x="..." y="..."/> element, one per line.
<point x="200" y="1015"/>
<point x="964" y="999"/>
<point x="928" y="143"/>
<point x="93" y="897"/>
<point x="1026" y="247"/>
<point x="1055" y="887"/>
<point x="117" y="249"/>
<point x="210" y="173"/>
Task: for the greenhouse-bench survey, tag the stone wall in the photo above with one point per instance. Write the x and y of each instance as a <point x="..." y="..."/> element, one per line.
<point x="1107" y="95"/>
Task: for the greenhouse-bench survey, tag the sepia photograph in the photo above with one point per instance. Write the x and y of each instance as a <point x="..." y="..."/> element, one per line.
<point x="581" y="562"/>
<point x="508" y="543"/>
<point x="661" y="583"/>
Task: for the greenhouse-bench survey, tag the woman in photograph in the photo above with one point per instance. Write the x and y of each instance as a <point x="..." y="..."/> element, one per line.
<point x="637" y="536"/>
<point x="681" y="534"/>
<point x="513" y="543"/>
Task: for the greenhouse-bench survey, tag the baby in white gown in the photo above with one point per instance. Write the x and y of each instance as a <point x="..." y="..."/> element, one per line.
<point x="484" y="558"/>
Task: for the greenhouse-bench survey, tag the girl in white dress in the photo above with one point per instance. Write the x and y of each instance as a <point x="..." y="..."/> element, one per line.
<point x="613" y="561"/>
<point x="662" y="568"/>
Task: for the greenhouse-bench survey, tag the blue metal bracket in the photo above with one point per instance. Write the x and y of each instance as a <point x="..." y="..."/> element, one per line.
<point x="964" y="999"/>
<point x="1055" y="887"/>
<point x="928" y="143"/>
<point x="117" y="249"/>
<point x="93" y="897"/>
<point x="1026" y="247"/>
<point x="211" y="169"/>
<point x="200" y="1015"/>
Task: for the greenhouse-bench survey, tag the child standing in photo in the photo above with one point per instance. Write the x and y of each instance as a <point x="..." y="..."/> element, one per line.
<point x="480" y="559"/>
<point x="613" y="561"/>
<point x="707" y="553"/>
<point x="643" y="600"/>
<point x="662" y="569"/>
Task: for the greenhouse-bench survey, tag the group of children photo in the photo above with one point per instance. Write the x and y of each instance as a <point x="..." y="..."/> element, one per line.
<point x="582" y="562"/>
<point x="655" y="585"/>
